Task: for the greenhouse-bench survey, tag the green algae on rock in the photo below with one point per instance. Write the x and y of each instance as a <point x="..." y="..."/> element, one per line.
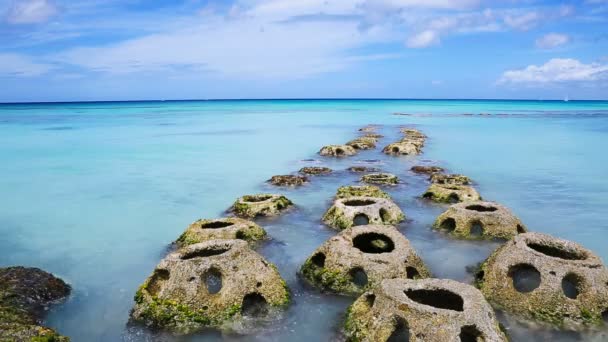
<point x="315" y="170"/>
<point x="288" y="180"/>
<point x="411" y="144"/>
<point x="443" y="193"/>
<point x="380" y="178"/>
<point x="543" y="278"/>
<point x="360" y="258"/>
<point x="363" y="143"/>
<point x="429" y="310"/>
<point x="452" y="179"/>
<point x="25" y="294"/>
<point x="221" y="229"/>
<point x="217" y="283"/>
<point x="360" y="210"/>
<point x="362" y="169"/>
<point x="480" y="220"/>
<point x="338" y="151"/>
<point x="251" y="206"/>
<point x="361" y="191"/>
<point x="427" y="169"/>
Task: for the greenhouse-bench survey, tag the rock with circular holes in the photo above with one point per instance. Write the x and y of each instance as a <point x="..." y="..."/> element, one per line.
<point x="413" y="133"/>
<point x="402" y="148"/>
<point x="359" y="210"/>
<point x="362" y="169"/>
<point x="315" y="170"/>
<point x="221" y="229"/>
<point x="452" y="179"/>
<point x="363" y="143"/>
<point x="217" y="283"/>
<point x="541" y="277"/>
<point x="25" y="295"/>
<point x="360" y="258"/>
<point x="288" y="180"/>
<point x="480" y="220"/>
<point x="250" y="206"/>
<point x="361" y="190"/>
<point x="426" y="169"/>
<point x="380" y="178"/>
<point x="429" y="310"/>
<point x="451" y="193"/>
<point x="337" y="151"/>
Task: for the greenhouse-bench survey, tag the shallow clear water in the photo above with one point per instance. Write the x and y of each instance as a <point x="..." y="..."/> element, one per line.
<point x="96" y="192"/>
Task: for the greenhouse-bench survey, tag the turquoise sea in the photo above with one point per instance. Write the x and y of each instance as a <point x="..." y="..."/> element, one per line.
<point x="96" y="192"/>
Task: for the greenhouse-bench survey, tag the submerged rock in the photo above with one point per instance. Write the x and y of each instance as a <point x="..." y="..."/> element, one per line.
<point x="451" y="193"/>
<point x="25" y="294"/>
<point x="221" y="229"/>
<point x="218" y="283"/>
<point x="427" y="169"/>
<point x="361" y="191"/>
<point x="357" y="211"/>
<point x="363" y="143"/>
<point x="361" y="169"/>
<point x="380" y="178"/>
<point x="360" y="258"/>
<point x="430" y="310"/>
<point x="412" y="133"/>
<point x="373" y="135"/>
<point x="369" y="128"/>
<point x="315" y="170"/>
<point x="480" y="220"/>
<point x="288" y="180"/>
<point x="452" y="179"/>
<point x="337" y="151"/>
<point x="250" y="206"/>
<point x="547" y="279"/>
<point x="402" y="148"/>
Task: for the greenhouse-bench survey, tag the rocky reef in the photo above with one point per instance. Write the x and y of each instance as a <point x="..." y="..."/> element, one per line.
<point x="380" y="178"/>
<point x="360" y="258"/>
<point x="411" y="144"/>
<point x="359" y="210"/>
<point x="315" y="170"/>
<point x="442" y="193"/>
<point x="479" y="220"/>
<point x="217" y="283"/>
<point x="424" y="169"/>
<point x="25" y="295"/>
<point x="429" y="310"/>
<point x="337" y="151"/>
<point x="288" y="180"/>
<point x="221" y="229"/>
<point x="363" y="143"/>
<point x="449" y="179"/>
<point x="543" y="278"/>
<point x="362" y="169"/>
<point x="361" y="191"/>
<point x="251" y="206"/>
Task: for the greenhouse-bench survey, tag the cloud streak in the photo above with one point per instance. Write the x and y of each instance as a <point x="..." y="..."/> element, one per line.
<point x="557" y="70"/>
<point x="30" y="12"/>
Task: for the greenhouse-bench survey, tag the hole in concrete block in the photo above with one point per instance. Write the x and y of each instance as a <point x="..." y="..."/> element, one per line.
<point x="373" y="243"/>
<point x="213" y="280"/>
<point x="411" y="272"/>
<point x="158" y="278"/>
<point x="358" y="203"/>
<point x="205" y="252"/>
<point x="476" y="229"/>
<point x="254" y="305"/>
<point x="470" y="333"/>
<point x="318" y="260"/>
<point x="401" y="331"/>
<point x="437" y="298"/>
<point x="558" y="251"/>
<point x="358" y="276"/>
<point x="360" y="220"/>
<point x="526" y="278"/>
<point x="448" y="224"/>
<point x="481" y="208"/>
<point x="571" y="285"/>
<point x="216" y="224"/>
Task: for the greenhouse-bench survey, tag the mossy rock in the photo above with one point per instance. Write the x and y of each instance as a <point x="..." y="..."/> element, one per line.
<point x="442" y="193"/>
<point x="288" y="180"/>
<point x="380" y="178"/>
<point x="250" y="206"/>
<point x="363" y="143"/>
<point x="361" y="191"/>
<point x="360" y="258"/>
<point x="429" y="310"/>
<point x="452" y="179"/>
<point x="402" y="148"/>
<point x="221" y="229"/>
<point x="315" y="170"/>
<point x="14" y="332"/>
<point x="539" y="277"/>
<point x="218" y="283"/>
<point x="480" y="220"/>
<point x="362" y="169"/>
<point x="337" y="151"/>
<point x="354" y="211"/>
<point x="427" y="169"/>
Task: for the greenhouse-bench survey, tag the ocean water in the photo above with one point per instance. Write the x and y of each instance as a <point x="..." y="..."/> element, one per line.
<point x="96" y="192"/>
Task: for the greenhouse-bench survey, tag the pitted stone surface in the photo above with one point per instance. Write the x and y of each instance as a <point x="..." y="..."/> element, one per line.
<point x="429" y="310"/>
<point x="424" y="169"/>
<point x="315" y="170"/>
<point x="288" y="180"/>
<point x="360" y="258"/>
<point x="362" y="169"/>
<point x="211" y="284"/>
<point x="361" y="191"/>
<point x="354" y="211"/>
<point x="250" y="206"/>
<point x="480" y="220"/>
<point x="221" y="229"/>
<point x="452" y="179"/>
<point x="337" y="151"/>
<point x="451" y="193"/>
<point x="544" y="278"/>
<point x="363" y="143"/>
<point x="402" y="148"/>
<point x="380" y="178"/>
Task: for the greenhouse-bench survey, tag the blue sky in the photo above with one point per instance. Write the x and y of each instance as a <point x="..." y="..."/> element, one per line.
<point x="62" y="50"/>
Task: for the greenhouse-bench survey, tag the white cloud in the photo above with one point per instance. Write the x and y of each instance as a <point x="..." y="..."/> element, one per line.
<point x="30" y="11"/>
<point x="423" y="39"/>
<point x="552" y="40"/>
<point x="523" y="22"/>
<point x="557" y="70"/>
<point x="15" y="65"/>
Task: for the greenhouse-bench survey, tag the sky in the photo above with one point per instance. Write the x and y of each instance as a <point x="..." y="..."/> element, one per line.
<point x="89" y="50"/>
